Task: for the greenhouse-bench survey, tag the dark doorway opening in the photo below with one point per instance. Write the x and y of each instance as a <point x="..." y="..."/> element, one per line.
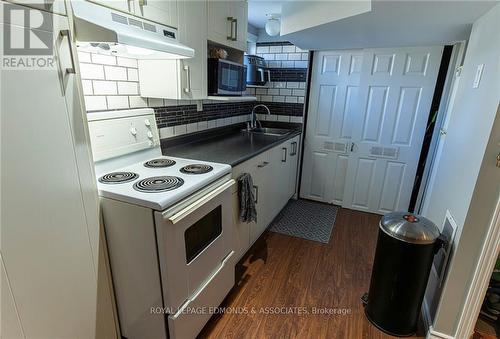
<point x="431" y="124"/>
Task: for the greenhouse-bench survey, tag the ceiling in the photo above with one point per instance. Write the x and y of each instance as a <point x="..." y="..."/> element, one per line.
<point x="388" y="24"/>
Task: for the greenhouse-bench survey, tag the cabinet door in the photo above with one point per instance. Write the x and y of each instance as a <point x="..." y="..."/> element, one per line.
<point x="239" y="11"/>
<point x="55" y="6"/>
<point x="121" y="5"/>
<point x="261" y="180"/>
<point x="193" y="33"/>
<point x="161" y="11"/>
<point x="294" y="160"/>
<point x="219" y="22"/>
<point x="46" y="207"/>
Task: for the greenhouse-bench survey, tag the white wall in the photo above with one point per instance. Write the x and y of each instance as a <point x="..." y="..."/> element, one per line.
<point x="456" y="173"/>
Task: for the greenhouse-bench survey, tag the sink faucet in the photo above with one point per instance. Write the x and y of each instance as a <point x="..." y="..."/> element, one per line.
<point x="255" y="121"/>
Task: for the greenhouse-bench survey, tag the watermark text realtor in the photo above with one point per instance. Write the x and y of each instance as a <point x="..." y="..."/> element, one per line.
<point x="27" y="36"/>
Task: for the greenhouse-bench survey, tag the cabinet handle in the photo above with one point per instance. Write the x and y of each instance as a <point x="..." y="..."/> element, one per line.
<point x="256" y="193"/>
<point x="268" y="75"/>
<point x="352" y="147"/>
<point x="284" y="153"/>
<point x="293" y="151"/>
<point x="230" y="19"/>
<point x="187" y="89"/>
<point x="235" y="29"/>
<point x="62" y="73"/>
<point x="264" y="164"/>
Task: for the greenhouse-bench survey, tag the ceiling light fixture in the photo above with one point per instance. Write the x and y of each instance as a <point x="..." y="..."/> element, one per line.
<point x="273" y="24"/>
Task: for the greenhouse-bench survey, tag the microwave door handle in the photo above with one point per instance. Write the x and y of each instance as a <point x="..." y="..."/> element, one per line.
<point x="261" y="71"/>
<point x="180" y="215"/>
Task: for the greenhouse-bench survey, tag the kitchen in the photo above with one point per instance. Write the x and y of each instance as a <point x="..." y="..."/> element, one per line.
<point x="197" y="154"/>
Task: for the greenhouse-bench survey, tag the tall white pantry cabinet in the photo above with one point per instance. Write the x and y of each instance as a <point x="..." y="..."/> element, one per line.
<point x="49" y="206"/>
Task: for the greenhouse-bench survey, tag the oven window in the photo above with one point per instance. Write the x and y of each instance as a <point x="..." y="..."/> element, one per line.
<point x="202" y="233"/>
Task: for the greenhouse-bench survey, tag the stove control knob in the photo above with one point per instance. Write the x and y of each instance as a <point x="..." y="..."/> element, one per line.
<point x="147" y="122"/>
<point x="150" y="135"/>
<point x="133" y="131"/>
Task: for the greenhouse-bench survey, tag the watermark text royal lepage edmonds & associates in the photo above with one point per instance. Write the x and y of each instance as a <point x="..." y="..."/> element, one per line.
<point x="266" y="310"/>
<point x="28" y="39"/>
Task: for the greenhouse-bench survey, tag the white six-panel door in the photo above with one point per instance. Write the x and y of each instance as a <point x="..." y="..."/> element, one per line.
<point x="335" y="81"/>
<point x="388" y="106"/>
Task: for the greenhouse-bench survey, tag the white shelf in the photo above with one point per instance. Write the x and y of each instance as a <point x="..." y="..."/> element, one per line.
<point x="242" y="98"/>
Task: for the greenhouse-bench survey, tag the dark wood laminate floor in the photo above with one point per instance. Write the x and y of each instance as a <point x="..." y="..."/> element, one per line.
<point x="283" y="271"/>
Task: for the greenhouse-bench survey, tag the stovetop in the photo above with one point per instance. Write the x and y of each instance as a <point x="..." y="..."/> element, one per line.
<point x="160" y="182"/>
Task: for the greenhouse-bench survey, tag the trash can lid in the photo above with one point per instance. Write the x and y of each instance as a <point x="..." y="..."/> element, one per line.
<point x="409" y="227"/>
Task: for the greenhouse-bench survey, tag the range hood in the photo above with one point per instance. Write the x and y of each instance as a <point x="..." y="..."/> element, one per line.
<point x="103" y="30"/>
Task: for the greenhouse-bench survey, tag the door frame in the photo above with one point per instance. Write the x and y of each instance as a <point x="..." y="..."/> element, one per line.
<point x="446" y="101"/>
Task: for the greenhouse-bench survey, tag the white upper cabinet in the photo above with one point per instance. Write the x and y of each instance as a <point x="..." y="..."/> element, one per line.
<point x="193" y="33"/>
<point x="186" y="78"/>
<point x="227" y="23"/>
<point x="160" y="11"/>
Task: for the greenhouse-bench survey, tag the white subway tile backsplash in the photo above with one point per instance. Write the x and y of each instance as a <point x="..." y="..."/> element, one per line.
<point x="292" y="100"/>
<point x="284" y="118"/>
<point x="128" y="88"/>
<point x="115" y="73"/>
<point x="166" y="132"/>
<point x="155" y="102"/>
<point x="285" y="92"/>
<point x="298" y="120"/>
<point x="273" y="91"/>
<point x="279" y="84"/>
<point x="268" y="56"/>
<point x="262" y="49"/>
<point x="103" y="59"/>
<point x="275" y="49"/>
<point x="300" y="100"/>
<point x="301" y="64"/>
<point x="261" y="91"/>
<point x="266" y="98"/>
<point x="305" y="56"/>
<point x="132" y="74"/>
<point x="289" y="49"/>
<point x="300" y="50"/>
<point x="191" y="128"/>
<point x="302" y="85"/>
<point x="91" y="71"/>
<point x="180" y="129"/>
<point x="274" y="64"/>
<point x="278" y="98"/>
<point x="298" y="92"/>
<point x="117" y="102"/>
<point x="202" y="125"/>
<point x="287" y="64"/>
<point x="137" y="102"/>
<point x="220" y="122"/>
<point x="281" y="56"/>
<point x="212" y="123"/>
<point x="294" y="56"/>
<point x="87" y="87"/>
<point x="95" y="103"/>
<point x="292" y="84"/>
<point x="84" y="57"/>
<point x="102" y="87"/>
<point x="127" y="62"/>
<point x="272" y="117"/>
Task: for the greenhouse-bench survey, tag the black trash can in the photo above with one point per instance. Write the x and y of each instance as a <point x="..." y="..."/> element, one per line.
<point x="405" y="250"/>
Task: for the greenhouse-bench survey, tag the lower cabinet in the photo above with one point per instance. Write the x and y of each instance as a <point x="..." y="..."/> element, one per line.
<point x="274" y="175"/>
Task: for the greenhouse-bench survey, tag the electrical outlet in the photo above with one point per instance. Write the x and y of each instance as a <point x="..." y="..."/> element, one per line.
<point x="443" y="256"/>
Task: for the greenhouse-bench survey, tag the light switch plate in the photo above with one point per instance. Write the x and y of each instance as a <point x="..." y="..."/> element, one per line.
<point x="477" y="78"/>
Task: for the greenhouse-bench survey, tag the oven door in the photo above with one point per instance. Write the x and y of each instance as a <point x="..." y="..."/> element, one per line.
<point x="193" y="241"/>
<point x="231" y="78"/>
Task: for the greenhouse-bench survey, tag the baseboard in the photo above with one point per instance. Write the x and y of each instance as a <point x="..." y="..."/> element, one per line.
<point x="433" y="334"/>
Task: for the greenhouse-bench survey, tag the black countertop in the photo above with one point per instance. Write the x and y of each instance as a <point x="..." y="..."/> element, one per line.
<point x="225" y="145"/>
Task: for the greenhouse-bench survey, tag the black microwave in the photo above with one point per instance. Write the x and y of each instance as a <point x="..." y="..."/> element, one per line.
<point x="226" y="77"/>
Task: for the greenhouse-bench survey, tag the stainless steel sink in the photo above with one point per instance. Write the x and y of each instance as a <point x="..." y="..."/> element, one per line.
<point x="270" y="131"/>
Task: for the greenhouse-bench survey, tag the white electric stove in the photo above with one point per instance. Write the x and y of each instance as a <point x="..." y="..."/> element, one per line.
<point x="168" y="225"/>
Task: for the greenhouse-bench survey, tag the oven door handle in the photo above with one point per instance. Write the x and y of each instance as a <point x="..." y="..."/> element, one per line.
<point x="174" y="219"/>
